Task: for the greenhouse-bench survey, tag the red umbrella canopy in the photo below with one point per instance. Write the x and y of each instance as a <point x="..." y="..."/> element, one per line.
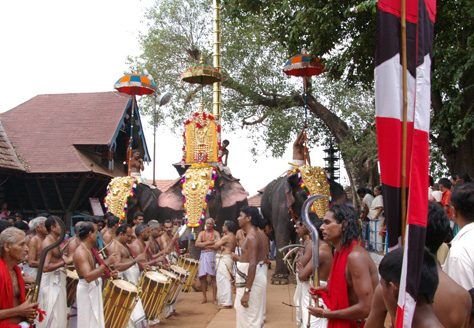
<point x="135" y="84"/>
<point x="303" y="65"/>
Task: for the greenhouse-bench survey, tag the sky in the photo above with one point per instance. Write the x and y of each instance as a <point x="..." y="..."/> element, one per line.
<point x="57" y="46"/>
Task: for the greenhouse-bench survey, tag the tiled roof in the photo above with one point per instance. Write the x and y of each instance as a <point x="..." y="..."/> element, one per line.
<point x="162" y="185"/>
<point x="44" y="129"/>
<point x="255" y="200"/>
<point x="8" y="157"/>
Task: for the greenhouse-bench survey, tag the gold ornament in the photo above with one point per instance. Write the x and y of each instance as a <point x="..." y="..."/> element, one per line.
<point x="119" y="189"/>
<point x="202" y="135"/>
<point x="315" y="180"/>
<point x="198" y="182"/>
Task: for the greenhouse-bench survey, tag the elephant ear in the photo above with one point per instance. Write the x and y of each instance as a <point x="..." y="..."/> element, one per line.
<point x="172" y="198"/>
<point x="231" y="191"/>
<point x="290" y="189"/>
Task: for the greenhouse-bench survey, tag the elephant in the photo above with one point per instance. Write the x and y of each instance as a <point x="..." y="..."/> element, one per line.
<point x="224" y="203"/>
<point x="279" y="196"/>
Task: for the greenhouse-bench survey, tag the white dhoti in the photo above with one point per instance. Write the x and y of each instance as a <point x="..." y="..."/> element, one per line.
<point x="90" y="309"/>
<point x="132" y="274"/>
<point x="297" y="302"/>
<point x="224" y="279"/>
<point x="138" y="317"/>
<point x="305" y="301"/>
<point x="253" y="315"/>
<point x="53" y="300"/>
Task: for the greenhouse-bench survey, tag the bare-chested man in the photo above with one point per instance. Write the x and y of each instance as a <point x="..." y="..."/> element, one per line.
<point x="14" y="308"/>
<point x="167" y="241"/>
<point x="108" y="233"/>
<point x="136" y="164"/>
<point x="128" y="268"/>
<point x="207" y="262"/>
<point x="138" y="218"/>
<point x="154" y="235"/>
<point x="240" y="237"/>
<point x="224" y="268"/>
<point x="35" y="245"/>
<point x="304" y="268"/>
<point x="450" y="314"/>
<point x="139" y="246"/>
<point x="52" y="297"/>
<point x="300" y="151"/>
<point x="353" y="271"/>
<point x="251" y="281"/>
<point x="90" y="311"/>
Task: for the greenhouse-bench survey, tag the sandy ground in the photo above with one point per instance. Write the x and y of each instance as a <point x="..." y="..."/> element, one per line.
<point x="192" y="314"/>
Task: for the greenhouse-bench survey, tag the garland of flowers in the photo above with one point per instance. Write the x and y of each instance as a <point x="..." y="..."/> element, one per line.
<point x="206" y="198"/>
<point x="200" y="118"/>
<point x="116" y="199"/>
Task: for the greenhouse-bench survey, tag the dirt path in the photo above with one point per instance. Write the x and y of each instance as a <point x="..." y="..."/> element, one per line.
<point x="192" y="314"/>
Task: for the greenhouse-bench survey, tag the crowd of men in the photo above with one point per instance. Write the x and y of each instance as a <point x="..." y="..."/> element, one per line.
<point x="127" y="251"/>
<point x="353" y="291"/>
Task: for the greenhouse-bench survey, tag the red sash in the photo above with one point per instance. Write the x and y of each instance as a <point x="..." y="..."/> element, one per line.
<point x="337" y="298"/>
<point x="6" y="291"/>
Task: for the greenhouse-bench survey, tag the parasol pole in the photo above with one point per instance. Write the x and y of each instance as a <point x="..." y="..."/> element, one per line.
<point x="216" y="95"/>
<point x="154" y="139"/>
<point x="405" y="115"/>
<point x="314" y="241"/>
<point x="130" y="142"/>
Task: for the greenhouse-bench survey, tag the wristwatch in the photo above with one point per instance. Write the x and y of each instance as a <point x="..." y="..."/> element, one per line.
<point x="247" y="290"/>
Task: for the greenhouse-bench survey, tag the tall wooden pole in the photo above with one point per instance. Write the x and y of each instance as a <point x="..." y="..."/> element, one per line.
<point x="405" y="115"/>
<point x="216" y="95"/>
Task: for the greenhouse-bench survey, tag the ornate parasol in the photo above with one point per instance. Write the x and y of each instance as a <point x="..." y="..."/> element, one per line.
<point x="134" y="84"/>
<point x="305" y="66"/>
<point x="202" y="74"/>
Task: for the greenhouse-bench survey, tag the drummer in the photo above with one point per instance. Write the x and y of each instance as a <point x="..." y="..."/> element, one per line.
<point x="90" y="268"/>
<point x="128" y="268"/>
<point x="126" y="264"/>
<point x="108" y="233"/>
<point x="153" y="244"/>
<point x="168" y="242"/>
<point x="139" y="246"/>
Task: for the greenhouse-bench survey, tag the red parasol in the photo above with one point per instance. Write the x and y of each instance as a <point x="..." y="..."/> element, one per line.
<point x="304" y="65"/>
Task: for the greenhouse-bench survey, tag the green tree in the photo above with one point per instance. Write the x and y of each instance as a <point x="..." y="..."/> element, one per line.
<point x="343" y="32"/>
<point x="256" y="93"/>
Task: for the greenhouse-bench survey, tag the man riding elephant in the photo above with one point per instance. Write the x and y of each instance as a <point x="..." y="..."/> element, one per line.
<point x="282" y="200"/>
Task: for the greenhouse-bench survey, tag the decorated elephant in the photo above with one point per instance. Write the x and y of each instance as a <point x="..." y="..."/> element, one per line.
<point x="223" y="202"/>
<point x="281" y="205"/>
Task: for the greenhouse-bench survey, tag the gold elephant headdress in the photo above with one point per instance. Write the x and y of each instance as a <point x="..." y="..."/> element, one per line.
<point x="197" y="186"/>
<point x="119" y="190"/>
<point x="313" y="180"/>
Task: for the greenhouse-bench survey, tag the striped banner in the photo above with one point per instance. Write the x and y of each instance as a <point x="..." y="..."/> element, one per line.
<point x="420" y="17"/>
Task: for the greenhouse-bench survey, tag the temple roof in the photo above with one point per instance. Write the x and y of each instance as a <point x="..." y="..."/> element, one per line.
<point x="47" y="130"/>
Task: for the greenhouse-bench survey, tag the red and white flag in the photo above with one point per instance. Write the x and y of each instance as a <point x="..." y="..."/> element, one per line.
<point x="420" y="18"/>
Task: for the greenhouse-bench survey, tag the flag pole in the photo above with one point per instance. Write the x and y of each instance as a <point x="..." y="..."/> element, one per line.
<point x="405" y="115"/>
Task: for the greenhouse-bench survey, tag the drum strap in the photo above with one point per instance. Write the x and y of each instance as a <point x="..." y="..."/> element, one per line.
<point x="99" y="260"/>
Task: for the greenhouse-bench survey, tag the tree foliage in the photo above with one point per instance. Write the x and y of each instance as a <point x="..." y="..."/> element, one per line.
<point x="257" y="96"/>
<point x="343" y="33"/>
